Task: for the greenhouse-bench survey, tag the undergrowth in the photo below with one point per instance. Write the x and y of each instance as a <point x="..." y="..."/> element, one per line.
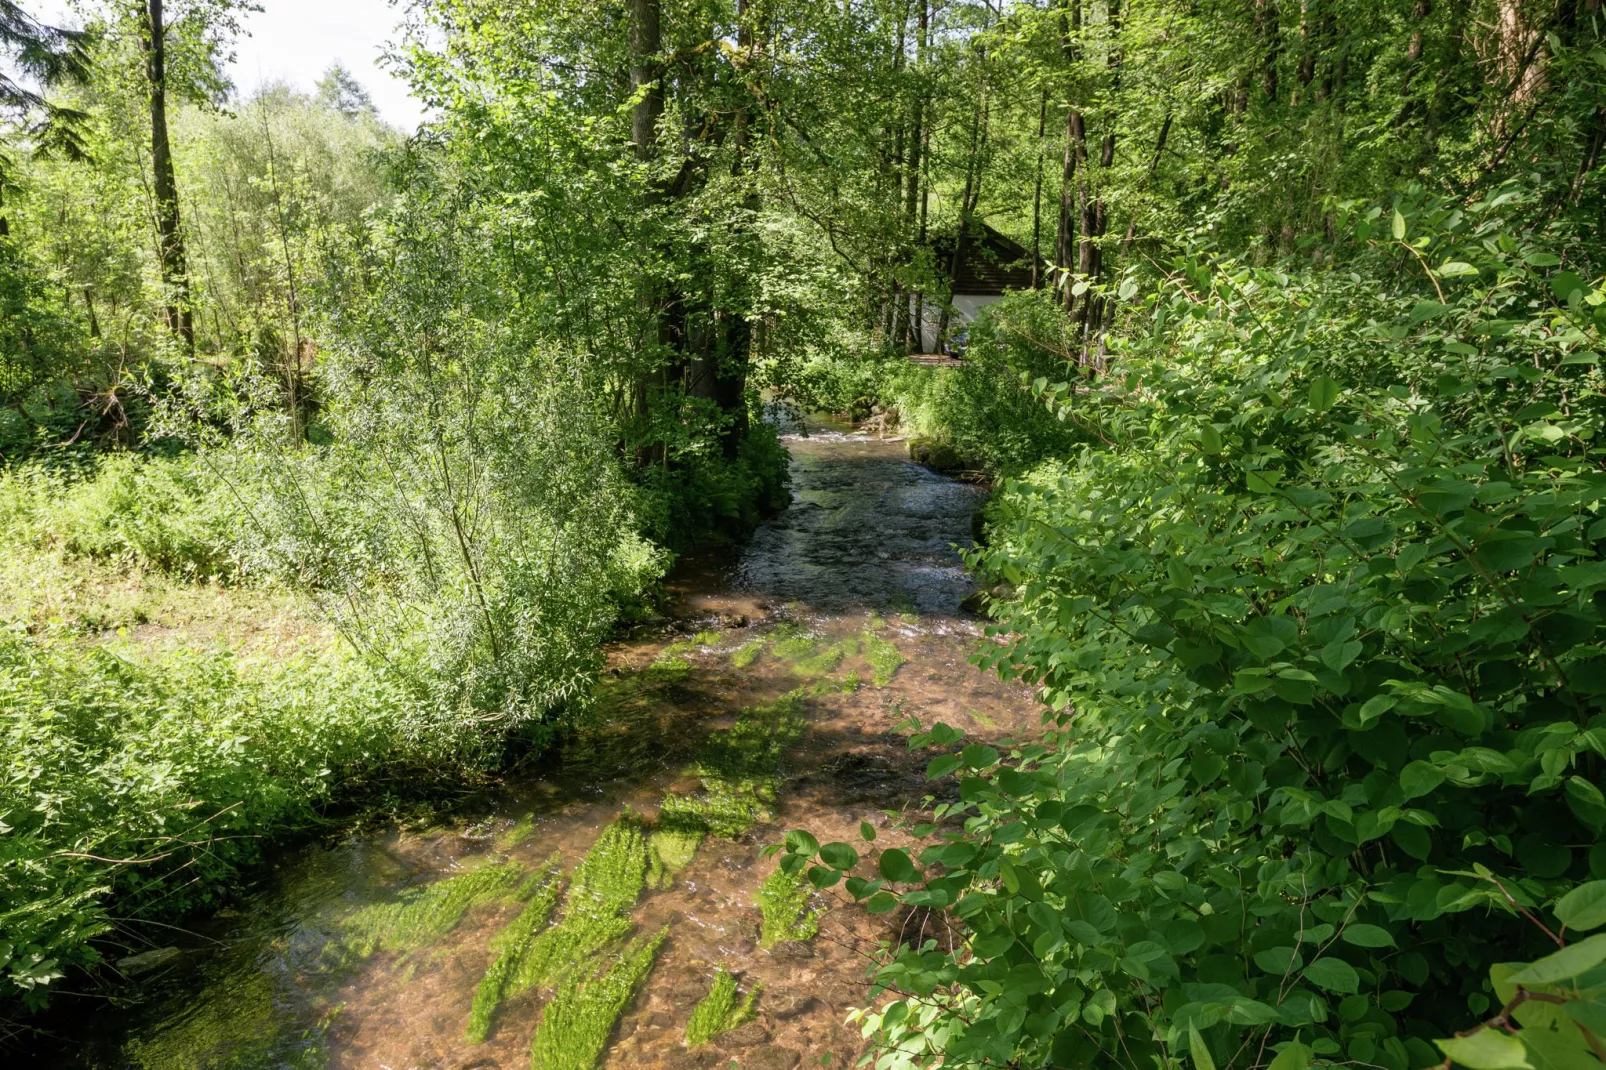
<point x="578" y="1020"/>
<point x="720" y="1011"/>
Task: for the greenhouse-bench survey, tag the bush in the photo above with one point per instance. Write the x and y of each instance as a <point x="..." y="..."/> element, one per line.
<point x="155" y="783"/>
<point x="1322" y="635"/>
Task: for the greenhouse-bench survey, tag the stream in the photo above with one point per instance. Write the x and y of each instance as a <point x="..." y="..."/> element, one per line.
<point x="774" y="701"/>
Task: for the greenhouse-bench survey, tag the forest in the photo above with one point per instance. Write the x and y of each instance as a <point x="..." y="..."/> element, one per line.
<point x="344" y="469"/>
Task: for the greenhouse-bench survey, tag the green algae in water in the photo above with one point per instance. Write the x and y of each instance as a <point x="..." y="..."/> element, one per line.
<point x="517" y="833"/>
<point x="580" y="1017"/>
<point x="719" y="1012"/>
<point x="884" y="658"/>
<point x="783" y="899"/>
<point x="738" y="768"/>
<point x="670" y="850"/>
<point x="421" y="916"/>
<point x="747" y="653"/>
<point x="826" y="659"/>
<point x="603" y="887"/>
<point x="236" y="1026"/>
<point x="511" y="946"/>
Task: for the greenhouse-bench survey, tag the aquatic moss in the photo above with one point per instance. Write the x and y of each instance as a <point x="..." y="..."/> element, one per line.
<point x="421" y="916"/>
<point x="687" y="646"/>
<point x="747" y="653"/>
<point x="738" y="768"/>
<point x="719" y="1012"/>
<point x="670" y="849"/>
<point x="826" y="659"/>
<point x="603" y="887"/>
<point x="511" y="946"/>
<point x="783" y="899"/>
<point x="794" y="647"/>
<point x="883" y="656"/>
<point x="580" y="1017"/>
<point x="517" y="833"/>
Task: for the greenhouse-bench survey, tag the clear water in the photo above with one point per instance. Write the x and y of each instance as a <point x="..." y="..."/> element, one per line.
<point x="867" y="544"/>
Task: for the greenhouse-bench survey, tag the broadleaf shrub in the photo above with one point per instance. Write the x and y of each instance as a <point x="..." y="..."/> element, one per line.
<point x="1318" y="623"/>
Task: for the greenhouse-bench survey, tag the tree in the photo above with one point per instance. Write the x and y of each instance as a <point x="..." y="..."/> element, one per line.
<point x="340" y="90"/>
<point x="50" y="56"/>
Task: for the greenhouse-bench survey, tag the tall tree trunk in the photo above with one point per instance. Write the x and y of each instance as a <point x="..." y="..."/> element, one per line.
<point x="1065" y="237"/>
<point x="1037" y="197"/>
<point x="646" y="41"/>
<point x="170" y="235"/>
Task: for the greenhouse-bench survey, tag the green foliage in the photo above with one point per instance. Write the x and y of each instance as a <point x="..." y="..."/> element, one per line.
<point x="671" y="849"/>
<point x="421" y="916"/>
<point x="580" y="1016"/>
<point x="510" y="948"/>
<point x="155" y="782"/>
<point x="172" y="515"/>
<point x="720" y="1011"/>
<point x="783" y="900"/>
<point x="747" y="653"/>
<point x="1318" y="629"/>
<point x="602" y="890"/>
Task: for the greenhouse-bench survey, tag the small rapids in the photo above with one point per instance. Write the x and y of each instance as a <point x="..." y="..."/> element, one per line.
<point x="777" y="700"/>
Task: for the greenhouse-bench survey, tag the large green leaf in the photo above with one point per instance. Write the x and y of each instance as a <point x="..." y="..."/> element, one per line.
<point x="1565" y="964"/>
<point x="1584" y="907"/>
<point x="1487" y="1049"/>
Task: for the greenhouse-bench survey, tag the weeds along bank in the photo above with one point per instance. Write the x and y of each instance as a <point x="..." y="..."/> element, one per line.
<point x="1317" y="619"/>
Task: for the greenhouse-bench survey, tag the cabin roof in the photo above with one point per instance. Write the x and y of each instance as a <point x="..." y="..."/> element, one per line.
<point x="991" y="263"/>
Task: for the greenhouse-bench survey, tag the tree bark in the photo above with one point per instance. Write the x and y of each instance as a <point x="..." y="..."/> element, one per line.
<point x="646" y="41"/>
<point x="170" y="234"/>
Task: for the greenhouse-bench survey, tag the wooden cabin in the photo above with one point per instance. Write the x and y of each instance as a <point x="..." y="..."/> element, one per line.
<point x="989" y="264"/>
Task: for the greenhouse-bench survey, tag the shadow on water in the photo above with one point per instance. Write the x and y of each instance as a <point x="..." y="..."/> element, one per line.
<point x="839" y="618"/>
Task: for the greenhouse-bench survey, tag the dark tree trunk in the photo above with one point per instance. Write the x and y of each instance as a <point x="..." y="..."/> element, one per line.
<point x="170" y="235"/>
<point x="1037" y="198"/>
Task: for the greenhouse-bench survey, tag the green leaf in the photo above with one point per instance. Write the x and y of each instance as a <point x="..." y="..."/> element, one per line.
<point x="1584" y="907"/>
<point x="1542" y="259"/>
<point x="1399" y="226"/>
<point x="839" y="856"/>
<point x="896" y="867"/>
<point x="1420" y="778"/>
<point x="1323" y="393"/>
<point x="881" y="903"/>
<point x="823" y="877"/>
<point x="1362" y="935"/>
<point x="1196" y="1048"/>
<point x="1335" y="975"/>
<point x="801" y="842"/>
<point x="942" y="766"/>
<point x="1565" y="964"/>
<point x="1210" y="439"/>
<point x="1294" y="1056"/>
<point x="1426" y="310"/>
<point x="1487" y="1049"/>
<point x="866" y="832"/>
<point x="978" y="756"/>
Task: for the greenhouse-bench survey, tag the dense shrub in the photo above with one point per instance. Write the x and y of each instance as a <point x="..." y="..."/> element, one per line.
<point x="1319" y="624"/>
<point x="153" y="783"/>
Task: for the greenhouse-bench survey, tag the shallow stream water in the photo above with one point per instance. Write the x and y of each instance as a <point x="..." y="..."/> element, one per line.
<point x="804" y="614"/>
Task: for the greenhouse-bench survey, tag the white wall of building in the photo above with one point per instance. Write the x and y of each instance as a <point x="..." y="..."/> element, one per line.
<point x="966" y="308"/>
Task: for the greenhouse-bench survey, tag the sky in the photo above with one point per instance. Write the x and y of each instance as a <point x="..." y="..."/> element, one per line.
<point x="296" y="40"/>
